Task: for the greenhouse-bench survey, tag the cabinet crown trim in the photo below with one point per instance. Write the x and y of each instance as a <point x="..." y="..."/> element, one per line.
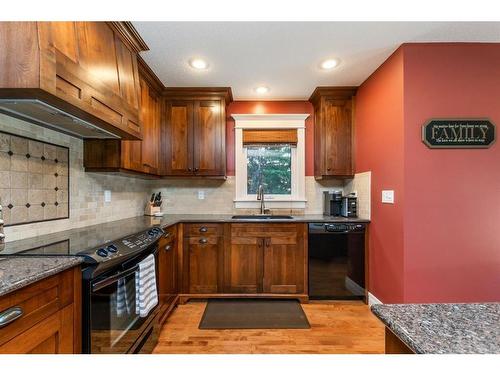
<point x="271" y="117"/>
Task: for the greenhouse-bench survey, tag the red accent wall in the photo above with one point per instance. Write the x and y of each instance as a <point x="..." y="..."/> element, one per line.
<point x="273" y="107"/>
<point x="439" y="242"/>
<point x="379" y="139"/>
<point x="452" y="197"/>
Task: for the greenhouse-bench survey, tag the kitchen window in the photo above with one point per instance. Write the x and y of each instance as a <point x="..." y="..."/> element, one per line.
<point x="271" y="167"/>
<point x="270" y="151"/>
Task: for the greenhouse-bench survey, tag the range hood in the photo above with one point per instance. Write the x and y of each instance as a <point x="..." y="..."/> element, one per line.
<point x="41" y="113"/>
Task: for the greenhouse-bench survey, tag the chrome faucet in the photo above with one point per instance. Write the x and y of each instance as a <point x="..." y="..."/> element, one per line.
<point x="260" y="197"/>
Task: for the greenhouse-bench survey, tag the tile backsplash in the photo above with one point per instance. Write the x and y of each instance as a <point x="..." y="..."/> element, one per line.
<point x="86" y="190"/>
<point x="34" y="180"/>
<point x="129" y="195"/>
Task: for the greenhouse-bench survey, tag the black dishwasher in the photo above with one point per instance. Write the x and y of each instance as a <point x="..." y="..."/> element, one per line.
<point x="337" y="261"/>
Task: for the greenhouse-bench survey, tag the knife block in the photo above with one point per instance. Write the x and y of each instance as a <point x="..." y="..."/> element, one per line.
<point x="150" y="210"/>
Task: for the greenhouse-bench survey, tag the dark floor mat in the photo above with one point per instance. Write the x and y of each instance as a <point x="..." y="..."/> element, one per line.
<point x="253" y="314"/>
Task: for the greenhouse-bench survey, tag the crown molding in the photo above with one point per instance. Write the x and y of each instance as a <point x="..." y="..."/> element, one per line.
<point x="130" y="35"/>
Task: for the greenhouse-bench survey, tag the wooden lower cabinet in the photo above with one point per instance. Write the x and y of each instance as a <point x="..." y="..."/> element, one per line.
<point x="168" y="288"/>
<point x="202" y="258"/>
<point x="284" y="261"/>
<point x="394" y="345"/>
<point x="51" y="316"/>
<point x="266" y="258"/>
<point x="243" y="263"/>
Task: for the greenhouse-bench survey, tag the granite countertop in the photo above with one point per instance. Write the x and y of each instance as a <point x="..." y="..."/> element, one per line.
<point x="444" y="328"/>
<point x="172" y="219"/>
<point x="17" y="272"/>
<point x="39" y="262"/>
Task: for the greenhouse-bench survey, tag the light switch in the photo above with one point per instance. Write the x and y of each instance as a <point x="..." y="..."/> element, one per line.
<point x="201" y="194"/>
<point x="107" y="196"/>
<point x="388" y="196"/>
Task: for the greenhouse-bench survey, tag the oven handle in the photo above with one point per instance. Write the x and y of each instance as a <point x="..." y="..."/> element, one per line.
<point x="114" y="278"/>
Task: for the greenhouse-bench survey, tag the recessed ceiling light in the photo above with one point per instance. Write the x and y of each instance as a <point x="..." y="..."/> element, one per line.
<point x="329" y="64"/>
<point x="262" y="90"/>
<point x="199" y="64"/>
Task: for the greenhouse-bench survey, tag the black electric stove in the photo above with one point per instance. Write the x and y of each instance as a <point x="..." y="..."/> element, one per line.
<point x="112" y="254"/>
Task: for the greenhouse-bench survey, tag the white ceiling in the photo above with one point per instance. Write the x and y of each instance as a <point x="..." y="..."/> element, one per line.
<point x="285" y="56"/>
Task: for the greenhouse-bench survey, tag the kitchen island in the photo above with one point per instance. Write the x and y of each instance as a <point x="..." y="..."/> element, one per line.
<point x="443" y="328"/>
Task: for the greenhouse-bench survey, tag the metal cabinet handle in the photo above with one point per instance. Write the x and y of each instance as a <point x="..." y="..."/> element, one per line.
<point x="9" y="315"/>
<point x="203" y="229"/>
<point x="189" y="169"/>
<point x="268" y="242"/>
<point x="168" y="247"/>
<point x="203" y="240"/>
<point x="196" y="169"/>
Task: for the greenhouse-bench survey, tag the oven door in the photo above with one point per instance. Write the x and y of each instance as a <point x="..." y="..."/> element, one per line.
<point x="115" y="325"/>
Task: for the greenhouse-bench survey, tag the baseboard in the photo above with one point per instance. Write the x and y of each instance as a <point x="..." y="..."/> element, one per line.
<point x="372" y="300"/>
<point x="354" y="287"/>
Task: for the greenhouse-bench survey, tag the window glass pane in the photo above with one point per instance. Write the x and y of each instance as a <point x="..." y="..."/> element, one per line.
<point x="270" y="165"/>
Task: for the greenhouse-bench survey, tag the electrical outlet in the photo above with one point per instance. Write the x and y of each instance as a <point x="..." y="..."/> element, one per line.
<point x="201" y="194"/>
<point x="388" y="196"/>
<point x="107" y="196"/>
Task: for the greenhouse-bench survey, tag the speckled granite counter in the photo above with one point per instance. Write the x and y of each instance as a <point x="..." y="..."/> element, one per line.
<point x="17" y="272"/>
<point x="37" y="262"/>
<point x="177" y="218"/>
<point x="468" y="328"/>
<point x="75" y="240"/>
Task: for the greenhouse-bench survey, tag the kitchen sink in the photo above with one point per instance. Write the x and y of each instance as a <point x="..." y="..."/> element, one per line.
<point x="262" y="217"/>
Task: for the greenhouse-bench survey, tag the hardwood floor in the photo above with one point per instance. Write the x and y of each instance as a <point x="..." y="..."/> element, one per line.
<point x="336" y="327"/>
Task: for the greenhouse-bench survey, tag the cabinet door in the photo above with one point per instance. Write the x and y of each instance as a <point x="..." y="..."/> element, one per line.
<point x="54" y="335"/>
<point x="284" y="260"/>
<point x="337" y="136"/>
<point x="202" y="266"/>
<point x="88" y="66"/>
<point x="209" y="138"/>
<point x="244" y="264"/>
<point x="150" y="116"/>
<point x="179" y="138"/>
<point x="167" y="275"/>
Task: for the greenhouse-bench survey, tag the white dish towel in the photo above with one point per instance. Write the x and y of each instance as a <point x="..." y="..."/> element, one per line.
<point x="145" y="286"/>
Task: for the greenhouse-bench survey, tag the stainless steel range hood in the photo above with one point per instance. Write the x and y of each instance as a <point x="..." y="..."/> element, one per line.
<point x="41" y="113"/>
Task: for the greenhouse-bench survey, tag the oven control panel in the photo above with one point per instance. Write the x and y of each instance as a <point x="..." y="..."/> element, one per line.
<point x="142" y="239"/>
<point x="124" y="246"/>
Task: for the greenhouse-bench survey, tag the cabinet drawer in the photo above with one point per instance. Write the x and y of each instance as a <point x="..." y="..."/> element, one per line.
<point x="203" y="230"/>
<point x="203" y="240"/>
<point x="37" y="302"/>
<point x="271" y="230"/>
<point x="170" y="234"/>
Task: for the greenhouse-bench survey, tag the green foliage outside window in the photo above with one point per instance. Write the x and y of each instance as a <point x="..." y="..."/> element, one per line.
<point x="271" y="166"/>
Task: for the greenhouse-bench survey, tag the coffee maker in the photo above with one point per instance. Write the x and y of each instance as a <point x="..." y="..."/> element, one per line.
<point x="332" y="203"/>
<point x="349" y="206"/>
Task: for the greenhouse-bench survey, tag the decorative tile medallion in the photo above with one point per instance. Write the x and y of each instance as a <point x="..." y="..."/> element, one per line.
<point x="29" y="171"/>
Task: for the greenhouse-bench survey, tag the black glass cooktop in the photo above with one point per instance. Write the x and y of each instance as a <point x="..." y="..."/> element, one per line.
<point x="74" y="241"/>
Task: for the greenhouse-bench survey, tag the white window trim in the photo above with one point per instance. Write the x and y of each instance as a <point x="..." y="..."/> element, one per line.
<point x="270" y="121"/>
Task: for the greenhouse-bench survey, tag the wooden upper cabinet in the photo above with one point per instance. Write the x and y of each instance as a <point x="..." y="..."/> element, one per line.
<point x="333" y="132"/>
<point x="209" y="156"/>
<point x="195" y="132"/>
<point x="144" y="157"/>
<point x="179" y="138"/>
<point x="88" y="69"/>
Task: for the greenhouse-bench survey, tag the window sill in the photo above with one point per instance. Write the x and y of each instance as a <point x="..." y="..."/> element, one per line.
<point x="274" y="203"/>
